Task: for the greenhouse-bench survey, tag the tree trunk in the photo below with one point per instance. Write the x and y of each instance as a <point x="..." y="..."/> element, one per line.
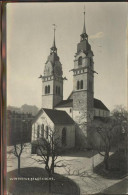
<point x="52" y="169"/>
<point x="19" y="165"/>
<point x="52" y="166"/>
<point x="106" y="158"/>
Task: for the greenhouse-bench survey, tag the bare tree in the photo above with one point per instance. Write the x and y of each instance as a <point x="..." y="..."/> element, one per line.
<point x="17" y="150"/>
<point x="109" y="130"/>
<point x="120" y="114"/>
<point x="19" y="143"/>
<point x="105" y="131"/>
<point x="48" y="149"/>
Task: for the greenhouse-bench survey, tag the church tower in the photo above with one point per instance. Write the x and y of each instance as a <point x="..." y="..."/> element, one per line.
<point x="52" y="80"/>
<point x="83" y="81"/>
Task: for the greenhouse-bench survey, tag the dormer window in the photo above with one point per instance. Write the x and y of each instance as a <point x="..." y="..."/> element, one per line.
<point x="80" y="61"/>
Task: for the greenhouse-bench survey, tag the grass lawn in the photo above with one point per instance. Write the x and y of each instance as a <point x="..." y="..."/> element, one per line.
<point x="60" y="185"/>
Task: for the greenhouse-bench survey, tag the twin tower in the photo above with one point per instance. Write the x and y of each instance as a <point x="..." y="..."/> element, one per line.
<point x="83" y="79"/>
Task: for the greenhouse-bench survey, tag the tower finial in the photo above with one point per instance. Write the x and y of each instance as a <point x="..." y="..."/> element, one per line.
<point x="54" y="45"/>
<point x="84" y="34"/>
<point x="84" y="30"/>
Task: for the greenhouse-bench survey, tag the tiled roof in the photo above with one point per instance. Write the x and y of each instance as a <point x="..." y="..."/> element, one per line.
<point x="58" y="116"/>
<point x="65" y="103"/>
<point x="99" y="105"/>
<point x="69" y="103"/>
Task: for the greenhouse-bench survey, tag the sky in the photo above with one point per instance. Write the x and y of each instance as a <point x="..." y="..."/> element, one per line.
<point x="30" y="36"/>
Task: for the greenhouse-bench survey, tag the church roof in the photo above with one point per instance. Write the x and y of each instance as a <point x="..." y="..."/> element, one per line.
<point x="99" y="105"/>
<point x="69" y="103"/>
<point x="65" y="103"/>
<point x="57" y="116"/>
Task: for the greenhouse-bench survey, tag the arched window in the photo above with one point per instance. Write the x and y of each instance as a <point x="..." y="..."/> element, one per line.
<point x="78" y="85"/>
<point x="63" y="136"/>
<point x="46" y="132"/>
<point x="42" y="130"/>
<point x="38" y="131"/>
<point x="48" y="88"/>
<point x="81" y="84"/>
<point x="80" y="61"/>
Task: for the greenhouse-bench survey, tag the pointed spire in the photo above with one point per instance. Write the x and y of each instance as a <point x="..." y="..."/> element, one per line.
<point x="54" y="45"/>
<point x="84" y="35"/>
<point x="53" y="48"/>
<point x="84" y="29"/>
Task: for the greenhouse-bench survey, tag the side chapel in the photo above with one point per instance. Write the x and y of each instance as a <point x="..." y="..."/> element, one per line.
<point x="68" y="116"/>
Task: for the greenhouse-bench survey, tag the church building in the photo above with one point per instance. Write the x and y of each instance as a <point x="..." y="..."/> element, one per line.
<point x="71" y="117"/>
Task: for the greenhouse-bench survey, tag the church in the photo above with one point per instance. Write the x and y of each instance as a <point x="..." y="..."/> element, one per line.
<point x="71" y="117"/>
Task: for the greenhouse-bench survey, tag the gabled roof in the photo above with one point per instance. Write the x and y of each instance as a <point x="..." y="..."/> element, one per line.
<point x="65" y="103"/>
<point x="69" y="103"/>
<point x="99" y="105"/>
<point x="56" y="116"/>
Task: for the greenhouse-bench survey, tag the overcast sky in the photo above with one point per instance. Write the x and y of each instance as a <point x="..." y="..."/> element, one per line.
<point x="30" y="36"/>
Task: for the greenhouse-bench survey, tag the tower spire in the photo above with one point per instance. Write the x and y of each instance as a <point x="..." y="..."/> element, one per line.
<point x="53" y="48"/>
<point x="84" y="35"/>
<point x="84" y="29"/>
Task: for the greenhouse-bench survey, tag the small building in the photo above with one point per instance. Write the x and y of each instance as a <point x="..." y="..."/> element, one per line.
<point x="59" y="123"/>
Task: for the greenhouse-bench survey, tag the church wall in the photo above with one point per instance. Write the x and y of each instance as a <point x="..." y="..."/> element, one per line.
<point x="80" y="100"/>
<point x="101" y="113"/>
<point x="70" y="135"/>
<point x="59" y="84"/>
<point x="43" y="119"/>
<point x="47" y="99"/>
<point x="79" y="77"/>
<point x="81" y="137"/>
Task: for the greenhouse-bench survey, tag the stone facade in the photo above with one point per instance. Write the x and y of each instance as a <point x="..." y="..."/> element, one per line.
<point x="83" y="82"/>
